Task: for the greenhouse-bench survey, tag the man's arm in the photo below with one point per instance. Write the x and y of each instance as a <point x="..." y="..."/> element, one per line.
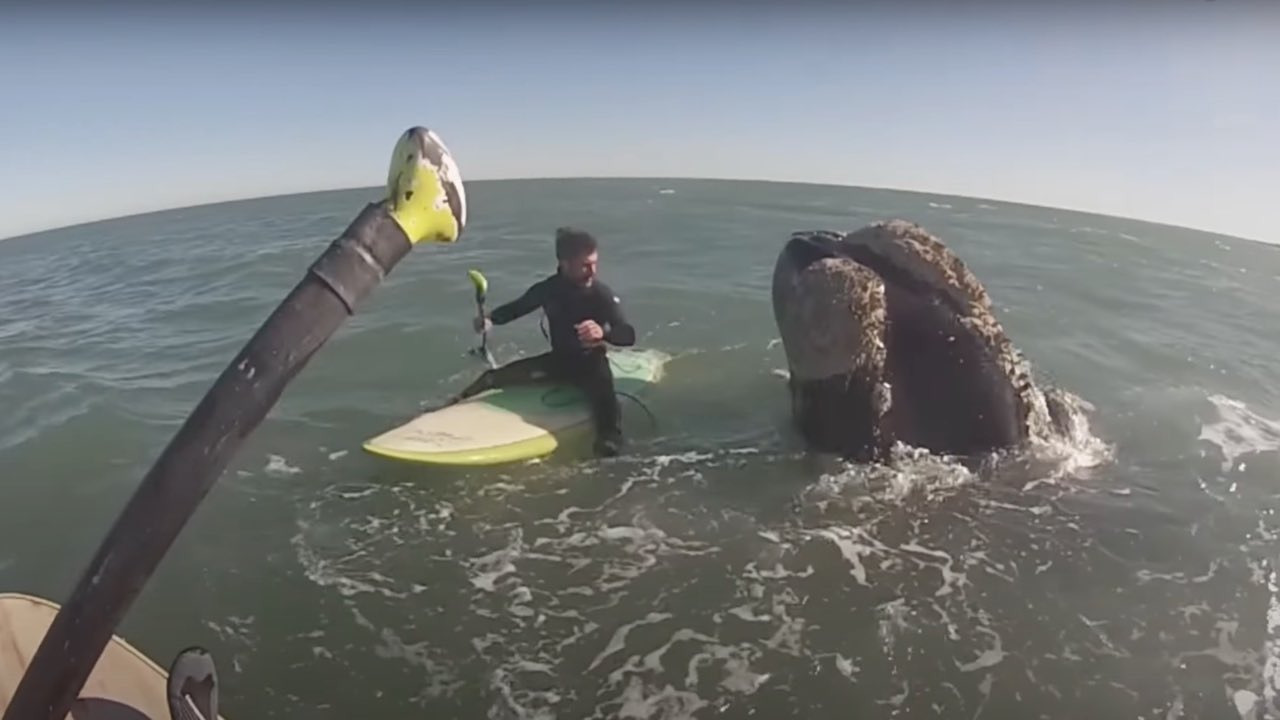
<point x="528" y="302"/>
<point x="617" y="330"/>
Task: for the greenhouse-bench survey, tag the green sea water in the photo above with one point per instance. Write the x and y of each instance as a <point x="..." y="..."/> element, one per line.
<point x="715" y="570"/>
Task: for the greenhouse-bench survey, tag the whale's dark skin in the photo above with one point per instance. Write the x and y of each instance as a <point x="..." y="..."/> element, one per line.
<point x="889" y="337"/>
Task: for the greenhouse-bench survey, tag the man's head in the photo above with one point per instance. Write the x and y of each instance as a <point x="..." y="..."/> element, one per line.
<point x="577" y="254"/>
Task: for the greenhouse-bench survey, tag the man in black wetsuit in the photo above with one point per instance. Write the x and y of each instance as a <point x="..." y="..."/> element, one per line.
<point x="583" y="315"/>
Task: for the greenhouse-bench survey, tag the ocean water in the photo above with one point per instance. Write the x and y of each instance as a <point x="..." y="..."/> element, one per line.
<point x="715" y="570"/>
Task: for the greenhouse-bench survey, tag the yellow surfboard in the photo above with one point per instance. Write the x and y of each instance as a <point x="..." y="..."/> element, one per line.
<point x="511" y="424"/>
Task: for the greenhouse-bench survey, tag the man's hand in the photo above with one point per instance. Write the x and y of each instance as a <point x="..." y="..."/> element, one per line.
<point x="589" y="333"/>
<point x="482" y="324"/>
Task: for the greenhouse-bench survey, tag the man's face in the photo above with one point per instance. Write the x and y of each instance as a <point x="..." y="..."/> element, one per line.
<point x="582" y="269"/>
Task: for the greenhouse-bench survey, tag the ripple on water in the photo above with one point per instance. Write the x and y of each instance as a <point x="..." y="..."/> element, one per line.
<point x="586" y="589"/>
<point x="1134" y="579"/>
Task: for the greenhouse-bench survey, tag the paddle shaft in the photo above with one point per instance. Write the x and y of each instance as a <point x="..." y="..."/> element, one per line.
<point x="193" y="460"/>
<point x="483" y="350"/>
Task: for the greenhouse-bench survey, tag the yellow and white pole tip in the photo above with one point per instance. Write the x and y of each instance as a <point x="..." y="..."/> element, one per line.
<point x="425" y="189"/>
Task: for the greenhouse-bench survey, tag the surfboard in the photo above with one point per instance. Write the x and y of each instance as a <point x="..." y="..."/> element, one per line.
<point x="124" y="685"/>
<point x="514" y="423"/>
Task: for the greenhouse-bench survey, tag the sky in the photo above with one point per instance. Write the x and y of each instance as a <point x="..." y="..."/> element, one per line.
<point x="1164" y="111"/>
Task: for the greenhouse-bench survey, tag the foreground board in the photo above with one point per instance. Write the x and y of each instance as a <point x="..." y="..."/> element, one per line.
<point x="512" y="424"/>
<point x="125" y="684"/>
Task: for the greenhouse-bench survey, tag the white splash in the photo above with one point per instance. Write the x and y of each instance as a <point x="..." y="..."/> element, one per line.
<point x="666" y="703"/>
<point x="278" y="465"/>
<point x="1239" y="431"/>
<point x="951" y="579"/>
<point x="326" y="573"/>
<point x="619" y="639"/>
<point x="1271" y="645"/>
<point x="987" y="658"/>
<point x="853" y="543"/>
<point x="1079" y="450"/>
<point x="486" y="570"/>
<point x="357" y="494"/>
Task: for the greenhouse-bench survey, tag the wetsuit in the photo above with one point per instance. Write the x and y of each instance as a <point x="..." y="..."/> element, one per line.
<point x="567" y="304"/>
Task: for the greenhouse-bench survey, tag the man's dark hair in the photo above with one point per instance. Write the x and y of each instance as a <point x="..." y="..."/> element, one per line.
<point x="573" y="243"/>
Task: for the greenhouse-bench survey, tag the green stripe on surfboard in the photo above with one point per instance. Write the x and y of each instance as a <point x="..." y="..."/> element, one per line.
<point x="512" y="424"/>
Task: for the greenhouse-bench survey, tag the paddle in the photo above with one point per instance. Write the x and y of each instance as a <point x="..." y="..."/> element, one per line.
<point x="425" y="202"/>
<point x="482" y="288"/>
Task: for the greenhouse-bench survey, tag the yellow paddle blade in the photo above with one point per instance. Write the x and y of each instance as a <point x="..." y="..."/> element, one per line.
<point x="481" y="284"/>
<point x="425" y="189"/>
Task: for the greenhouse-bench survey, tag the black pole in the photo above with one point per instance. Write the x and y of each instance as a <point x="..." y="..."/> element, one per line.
<point x="426" y="202"/>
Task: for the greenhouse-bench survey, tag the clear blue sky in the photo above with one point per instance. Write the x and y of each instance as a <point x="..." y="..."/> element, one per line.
<point x="1167" y="111"/>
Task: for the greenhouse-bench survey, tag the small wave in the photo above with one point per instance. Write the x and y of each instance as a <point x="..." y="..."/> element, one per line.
<point x="234" y="629"/>
<point x="279" y="466"/>
<point x="1271" y="644"/>
<point x="1239" y="431"/>
<point x="1086" y="230"/>
<point x="909" y="471"/>
<point x="44" y="413"/>
<point x="329" y="573"/>
<point x="422" y="656"/>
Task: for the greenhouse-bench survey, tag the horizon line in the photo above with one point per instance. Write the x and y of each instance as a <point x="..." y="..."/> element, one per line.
<point x="518" y="178"/>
